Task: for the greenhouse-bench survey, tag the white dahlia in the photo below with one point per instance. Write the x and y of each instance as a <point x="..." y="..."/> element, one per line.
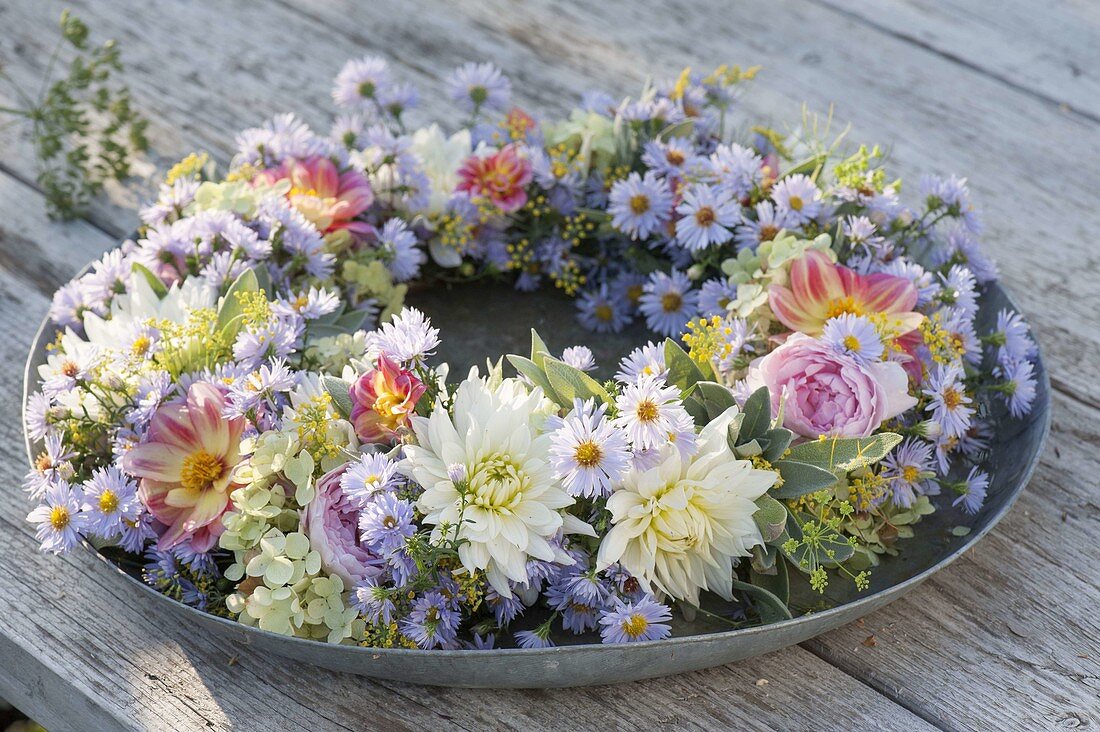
<point x="507" y="504"/>
<point x="680" y="525"/>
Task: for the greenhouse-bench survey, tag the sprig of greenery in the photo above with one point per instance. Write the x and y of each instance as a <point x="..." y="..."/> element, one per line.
<point x="84" y="128"/>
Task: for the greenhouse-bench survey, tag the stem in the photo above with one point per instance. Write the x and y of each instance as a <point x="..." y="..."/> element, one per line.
<point x="13" y="110"/>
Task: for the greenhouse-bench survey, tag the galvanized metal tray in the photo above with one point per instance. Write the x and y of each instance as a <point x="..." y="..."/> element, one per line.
<point x="478" y="321"/>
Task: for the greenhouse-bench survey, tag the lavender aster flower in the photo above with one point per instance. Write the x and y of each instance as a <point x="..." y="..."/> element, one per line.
<point x="386" y="522"/>
<point x="431" y="623"/>
<point x="714" y="295"/>
<point x="361" y="83"/>
<point x="640" y="206"/>
<point x="706" y="218"/>
<point x="854" y="336"/>
<point x="374" y="601"/>
<point x="647" y="360"/>
<point x="972" y="491"/>
<point x="601" y="312"/>
<point x="669" y="302"/>
<point x="408" y="338"/>
<point x="400" y="246"/>
<point x="949" y="402"/>
<point x="61" y="525"/>
<point x="798" y="198"/>
<point x="372" y="474"/>
<point x="643" y="620"/>
<point x="479" y="86"/>
<point x="1018" y="386"/>
<point x="588" y="454"/>
<point x="579" y="357"/>
<point x="110" y="499"/>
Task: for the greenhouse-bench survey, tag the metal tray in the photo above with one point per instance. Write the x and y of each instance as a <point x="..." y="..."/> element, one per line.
<point x="486" y="319"/>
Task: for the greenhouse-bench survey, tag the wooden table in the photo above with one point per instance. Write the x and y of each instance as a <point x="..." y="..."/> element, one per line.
<point x="1008" y="94"/>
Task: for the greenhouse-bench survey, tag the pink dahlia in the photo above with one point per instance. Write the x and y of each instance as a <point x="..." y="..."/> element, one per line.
<point x="820" y="290"/>
<point x="829" y="393"/>
<point x="331" y="521"/>
<point x="328" y="198"/>
<point x="501" y="178"/>
<point x="383" y="400"/>
<point x="186" y="466"/>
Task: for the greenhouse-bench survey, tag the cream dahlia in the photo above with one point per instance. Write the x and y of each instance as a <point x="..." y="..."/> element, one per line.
<point x="679" y="526"/>
<point x="504" y="502"/>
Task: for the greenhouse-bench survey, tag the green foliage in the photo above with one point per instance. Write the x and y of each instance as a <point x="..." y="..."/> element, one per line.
<point x="770" y="608"/>
<point x="152" y="279"/>
<point x="683" y="371"/>
<point x="800" y="479"/>
<point x="758" y="415"/>
<point x="842" y="455"/>
<point x="570" y="383"/>
<point x="770" y="517"/>
<point x="340" y="391"/>
<point x="84" y="127"/>
<point x="231" y="313"/>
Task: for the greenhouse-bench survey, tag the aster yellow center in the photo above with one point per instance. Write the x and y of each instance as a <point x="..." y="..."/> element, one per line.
<point x="59" y="517"/>
<point x="108" y="501"/>
<point x="639" y="204"/>
<point x="671" y="302"/>
<point x="674" y="157"/>
<point x="603" y="312"/>
<point x="588" y="454"/>
<point x="70" y="369"/>
<point x="851" y="343"/>
<point x="705" y="216"/>
<point x="910" y="473"/>
<point x="795" y="203"/>
<point x="43" y="463"/>
<point x="768" y="232"/>
<point x="635" y="625"/>
<point x="646" y="411"/>
<point x="140" y="346"/>
<point x="634" y="293"/>
<point x="952" y="398"/>
<point x="200" y="469"/>
<point x="497" y="484"/>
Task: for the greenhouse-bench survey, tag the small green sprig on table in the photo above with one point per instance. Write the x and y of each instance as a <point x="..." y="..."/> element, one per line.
<point x="84" y="128"/>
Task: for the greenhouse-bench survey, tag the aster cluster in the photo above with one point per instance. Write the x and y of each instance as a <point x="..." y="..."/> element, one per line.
<point x="238" y="403"/>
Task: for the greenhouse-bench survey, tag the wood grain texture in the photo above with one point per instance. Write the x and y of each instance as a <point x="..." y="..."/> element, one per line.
<point x="1005" y="639"/>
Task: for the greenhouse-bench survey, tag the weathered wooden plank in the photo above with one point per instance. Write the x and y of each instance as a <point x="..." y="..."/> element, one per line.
<point x="1023" y="157"/>
<point x="80" y="649"/>
<point x="1049" y="51"/>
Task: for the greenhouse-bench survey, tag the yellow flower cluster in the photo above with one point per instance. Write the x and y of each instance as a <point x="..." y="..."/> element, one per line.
<point x="708" y="340"/>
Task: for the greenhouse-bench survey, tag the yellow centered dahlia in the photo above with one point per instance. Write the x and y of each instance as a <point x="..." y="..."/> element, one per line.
<point x="488" y="480"/>
<point x="679" y="526"/>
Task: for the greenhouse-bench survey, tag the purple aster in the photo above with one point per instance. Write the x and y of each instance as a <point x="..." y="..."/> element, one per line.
<point x="579" y="357"/>
<point x="669" y="302"/>
<point x="311" y="304"/>
<point x="479" y="86"/>
<point x="972" y="491"/>
<point x="537" y="638"/>
<point x="373" y="473"/>
<point x="136" y="533"/>
<point x="798" y="198"/>
<point x="854" y="336"/>
<point x="647" y="360"/>
<point x="50" y="466"/>
<point x="504" y="609"/>
<point x="284" y="136"/>
<point x="386" y="522"/>
<point x="480" y="642"/>
<point x="736" y="170"/>
<point x="600" y="102"/>
<point x="643" y="620"/>
<point x="707" y="217"/>
<point x="36" y="415"/>
<point x="361" y="83"/>
<point x="600" y="311"/>
<point x="61" y="524"/>
<point x="432" y="623"/>
<point x="68" y="306"/>
<point x="948" y="400"/>
<point x="714" y="295"/>
<point x="768" y="223"/>
<point x="961" y="289"/>
<point x="399" y="98"/>
<point x="402" y="253"/>
<point x="640" y="206"/>
<point x="110" y="498"/>
<point x="1018" y="385"/>
<point x="1012" y="338"/>
<point x="408" y="338"/>
<point x="910" y="469"/>
<point x="673" y="158"/>
<point x="862" y="234"/>
<point x="374" y="601"/>
<point x="589" y="456"/>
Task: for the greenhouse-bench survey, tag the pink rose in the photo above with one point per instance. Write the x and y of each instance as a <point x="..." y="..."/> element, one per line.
<point x="827" y="393"/>
<point x="331" y="521"/>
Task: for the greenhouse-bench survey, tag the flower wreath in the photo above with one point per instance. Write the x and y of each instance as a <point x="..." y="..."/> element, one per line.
<point x="237" y="402"/>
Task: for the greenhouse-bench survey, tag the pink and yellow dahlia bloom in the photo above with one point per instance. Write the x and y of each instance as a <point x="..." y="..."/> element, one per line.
<point x="328" y="198"/>
<point x="383" y="400"/>
<point x="820" y="290"/>
<point x="501" y="178"/>
<point x="186" y="464"/>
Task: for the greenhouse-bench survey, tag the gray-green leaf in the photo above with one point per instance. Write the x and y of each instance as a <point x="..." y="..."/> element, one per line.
<point x="770" y="608"/>
<point x="683" y="372"/>
<point x="802" y="478"/>
<point x="758" y="415"/>
<point x="570" y="383"/>
<point x="844" y="454"/>
<point x="340" y="391"/>
<point x="536" y="376"/>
